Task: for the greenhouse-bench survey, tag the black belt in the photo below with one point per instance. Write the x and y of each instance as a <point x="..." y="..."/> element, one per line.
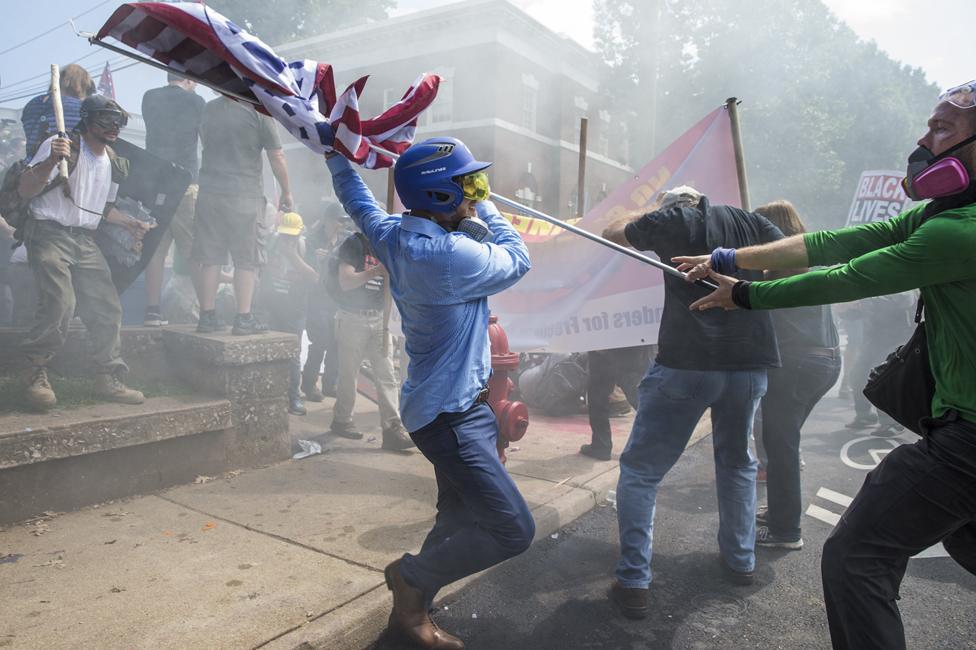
<point x="482" y="397"/>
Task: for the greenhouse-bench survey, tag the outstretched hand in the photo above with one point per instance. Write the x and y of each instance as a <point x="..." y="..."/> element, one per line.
<point x="695" y="266"/>
<point x="721" y="297"/>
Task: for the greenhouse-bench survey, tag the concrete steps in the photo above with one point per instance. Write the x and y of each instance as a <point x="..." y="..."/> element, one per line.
<point x="75" y="457"/>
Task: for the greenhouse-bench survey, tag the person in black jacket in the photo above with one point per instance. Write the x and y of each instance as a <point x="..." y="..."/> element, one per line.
<point x="718" y="362"/>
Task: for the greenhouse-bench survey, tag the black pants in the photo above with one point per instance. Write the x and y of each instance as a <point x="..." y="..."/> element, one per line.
<point x="320" y="327"/>
<point x="622" y="367"/>
<point x="919" y="495"/>
<point x="792" y="393"/>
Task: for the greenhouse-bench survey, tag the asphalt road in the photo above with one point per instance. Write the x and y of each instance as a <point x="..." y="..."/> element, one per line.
<point x="554" y="595"/>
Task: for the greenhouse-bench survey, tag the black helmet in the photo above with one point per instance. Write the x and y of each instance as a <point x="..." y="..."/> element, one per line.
<point x="99" y="108"/>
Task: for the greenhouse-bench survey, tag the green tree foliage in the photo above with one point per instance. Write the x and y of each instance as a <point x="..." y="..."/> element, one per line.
<point x="818" y="105"/>
<point x="280" y="21"/>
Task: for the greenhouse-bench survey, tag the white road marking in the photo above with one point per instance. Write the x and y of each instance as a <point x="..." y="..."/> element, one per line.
<point x="835" y="497"/>
<point x="823" y="514"/>
<point x="875" y="454"/>
<point x="933" y="551"/>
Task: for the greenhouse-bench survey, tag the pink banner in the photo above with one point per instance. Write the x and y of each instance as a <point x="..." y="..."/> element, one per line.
<point x="582" y="296"/>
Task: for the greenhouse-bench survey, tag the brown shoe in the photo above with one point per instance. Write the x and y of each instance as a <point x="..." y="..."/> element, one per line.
<point x="410" y="618"/>
<point x="396" y="439"/>
<point x="631" y="601"/>
<point x="40" y="395"/>
<point x="111" y="389"/>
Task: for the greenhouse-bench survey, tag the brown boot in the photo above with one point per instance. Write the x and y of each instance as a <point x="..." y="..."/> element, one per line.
<point x="40" y="395"/>
<point x="111" y="389"/>
<point x="410" y="618"/>
<point x="396" y="439"/>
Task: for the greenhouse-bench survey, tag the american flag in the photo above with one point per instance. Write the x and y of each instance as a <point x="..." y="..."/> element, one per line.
<point x="301" y="95"/>
<point x="105" y="84"/>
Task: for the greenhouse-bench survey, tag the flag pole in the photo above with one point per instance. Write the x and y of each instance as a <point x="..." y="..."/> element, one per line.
<point x="183" y="73"/>
<point x="731" y="104"/>
<point x="581" y="177"/>
<point x="501" y="199"/>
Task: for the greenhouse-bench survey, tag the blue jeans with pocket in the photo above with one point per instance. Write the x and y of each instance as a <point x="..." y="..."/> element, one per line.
<point x="671" y="404"/>
<point x="482" y="518"/>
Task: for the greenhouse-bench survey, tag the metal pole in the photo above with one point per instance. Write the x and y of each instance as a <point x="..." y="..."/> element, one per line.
<point x="501" y="199"/>
<point x="740" y="160"/>
<point x="581" y="176"/>
<point x="600" y="240"/>
<point x="182" y="73"/>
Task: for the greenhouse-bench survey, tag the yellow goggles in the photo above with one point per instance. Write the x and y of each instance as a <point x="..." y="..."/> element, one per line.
<point x="475" y="186"/>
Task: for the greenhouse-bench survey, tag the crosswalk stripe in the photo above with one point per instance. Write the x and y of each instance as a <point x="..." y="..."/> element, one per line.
<point x="835" y="497"/>
<point x="933" y="551"/>
<point x="823" y="514"/>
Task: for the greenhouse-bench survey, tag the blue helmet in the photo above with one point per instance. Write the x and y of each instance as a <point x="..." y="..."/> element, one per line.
<point x="425" y="174"/>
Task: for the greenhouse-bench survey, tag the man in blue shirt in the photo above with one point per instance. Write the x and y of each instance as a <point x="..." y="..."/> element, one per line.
<point x="441" y="270"/>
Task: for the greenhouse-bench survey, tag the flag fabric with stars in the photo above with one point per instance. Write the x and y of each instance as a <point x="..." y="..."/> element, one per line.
<point x="301" y="95"/>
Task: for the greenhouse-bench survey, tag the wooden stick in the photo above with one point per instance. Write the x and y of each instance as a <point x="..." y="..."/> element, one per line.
<point x="58" y="114"/>
<point x="581" y="176"/>
<point x="740" y="160"/>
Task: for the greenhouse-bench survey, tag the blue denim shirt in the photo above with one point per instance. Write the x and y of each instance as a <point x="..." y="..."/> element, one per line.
<point x="440" y="282"/>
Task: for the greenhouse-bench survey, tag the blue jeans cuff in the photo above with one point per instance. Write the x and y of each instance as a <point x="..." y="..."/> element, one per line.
<point x="633" y="584"/>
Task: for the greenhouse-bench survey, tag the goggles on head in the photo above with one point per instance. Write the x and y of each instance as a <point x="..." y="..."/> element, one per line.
<point x="475" y="186"/>
<point x="962" y="96"/>
<point x="110" y="119"/>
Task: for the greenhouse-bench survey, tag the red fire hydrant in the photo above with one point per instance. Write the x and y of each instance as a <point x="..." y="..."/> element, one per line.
<point x="513" y="417"/>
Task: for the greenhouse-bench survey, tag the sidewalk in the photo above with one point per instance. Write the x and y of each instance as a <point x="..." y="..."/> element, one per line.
<point x="288" y="556"/>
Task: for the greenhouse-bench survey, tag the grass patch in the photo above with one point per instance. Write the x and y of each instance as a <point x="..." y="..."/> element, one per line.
<point x="75" y="392"/>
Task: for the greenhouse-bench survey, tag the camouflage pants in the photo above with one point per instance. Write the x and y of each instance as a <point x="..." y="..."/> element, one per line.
<point x="70" y="272"/>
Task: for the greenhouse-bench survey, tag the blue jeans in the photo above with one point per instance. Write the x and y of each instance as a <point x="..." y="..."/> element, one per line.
<point x="671" y="404"/>
<point x="482" y="518"/>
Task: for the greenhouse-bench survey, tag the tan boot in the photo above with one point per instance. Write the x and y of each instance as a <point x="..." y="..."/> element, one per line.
<point x="410" y="618"/>
<point x="111" y="389"/>
<point x="40" y="395"/>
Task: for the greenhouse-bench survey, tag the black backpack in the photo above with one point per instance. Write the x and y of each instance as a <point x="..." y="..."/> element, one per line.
<point x="557" y="386"/>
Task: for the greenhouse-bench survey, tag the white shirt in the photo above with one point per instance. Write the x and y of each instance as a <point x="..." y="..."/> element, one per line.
<point x="19" y="255"/>
<point x="91" y="188"/>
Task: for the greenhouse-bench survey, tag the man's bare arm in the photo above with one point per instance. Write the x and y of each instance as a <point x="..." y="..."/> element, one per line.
<point x="788" y="253"/>
<point x="615" y="231"/>
<point x="279" y="167"/>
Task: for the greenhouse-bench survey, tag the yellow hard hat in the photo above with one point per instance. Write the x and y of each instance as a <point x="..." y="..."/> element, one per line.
<point x="291" y="224"/>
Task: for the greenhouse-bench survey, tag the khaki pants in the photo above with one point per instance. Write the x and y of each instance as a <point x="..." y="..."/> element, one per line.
<point x="359" y="337"/>
<point x="69" y="270"/>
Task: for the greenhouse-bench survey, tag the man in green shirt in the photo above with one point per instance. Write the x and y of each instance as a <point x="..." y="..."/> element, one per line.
<point x="923" y="493"/>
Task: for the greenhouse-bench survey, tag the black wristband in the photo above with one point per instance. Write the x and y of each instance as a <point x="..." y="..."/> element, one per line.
<point x="740" y="294"/>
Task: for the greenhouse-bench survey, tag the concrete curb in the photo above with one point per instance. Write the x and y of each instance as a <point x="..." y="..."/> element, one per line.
<point x="357" y="624"/>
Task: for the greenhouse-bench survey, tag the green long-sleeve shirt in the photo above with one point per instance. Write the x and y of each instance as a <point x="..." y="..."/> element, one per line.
<point x="938" y="257"/>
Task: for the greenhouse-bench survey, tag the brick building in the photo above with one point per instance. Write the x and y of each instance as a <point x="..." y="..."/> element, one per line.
<point x="513" y="90"/>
